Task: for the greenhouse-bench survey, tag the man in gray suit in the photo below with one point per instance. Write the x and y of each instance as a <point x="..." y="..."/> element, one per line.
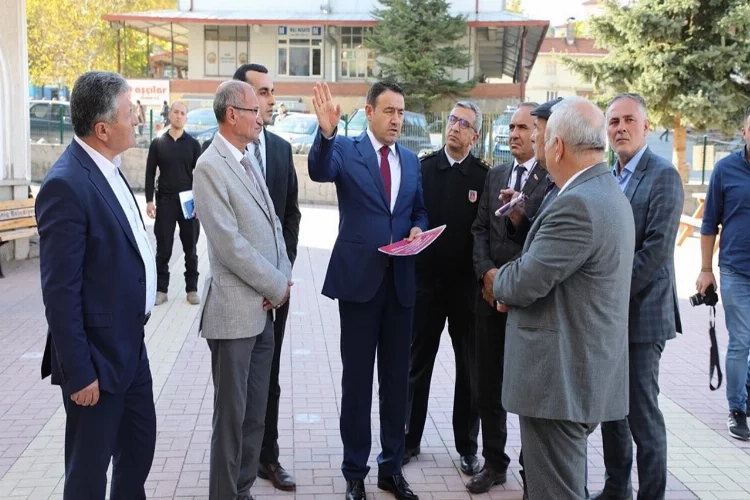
<point x="250" y="275"/>
<point x="567" y="296"/>
<point x="655" y="191"/>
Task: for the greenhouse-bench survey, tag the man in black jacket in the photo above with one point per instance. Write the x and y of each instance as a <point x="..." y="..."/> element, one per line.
<point x="453" y="180"/>
<point x="272" y="156"/>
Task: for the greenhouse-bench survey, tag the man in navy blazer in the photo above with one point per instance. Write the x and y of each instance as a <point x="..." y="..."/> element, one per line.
<point x="379" y="190"/>
<point x="654" y="189"/>
<point x="98" y="284"/>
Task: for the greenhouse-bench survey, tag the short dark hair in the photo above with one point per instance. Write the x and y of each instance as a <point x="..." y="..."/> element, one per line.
<point x="94" y="99"/>
<point x="241" y="72"/>
<point x="747" y="113"/>
<point x="380" y="87"/>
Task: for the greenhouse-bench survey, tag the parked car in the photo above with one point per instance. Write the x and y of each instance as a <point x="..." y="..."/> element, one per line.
<point x="299" y="129"/>
<point x="497" y="143"/>
<point x="201" y="123"/>
<point x="44" y="120"/>
<point x="414" y="135"/>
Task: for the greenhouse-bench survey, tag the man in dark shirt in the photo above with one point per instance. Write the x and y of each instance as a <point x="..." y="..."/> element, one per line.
<point x="175" y="153"/>
<point x="453" y="180"/>
<point x="727" y="204"/>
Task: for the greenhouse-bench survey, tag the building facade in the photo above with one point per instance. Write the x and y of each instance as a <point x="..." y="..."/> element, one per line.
<point x="302" y="42"/>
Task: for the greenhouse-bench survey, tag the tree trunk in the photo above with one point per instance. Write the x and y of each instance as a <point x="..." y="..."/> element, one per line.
<point x="680" y="145"/>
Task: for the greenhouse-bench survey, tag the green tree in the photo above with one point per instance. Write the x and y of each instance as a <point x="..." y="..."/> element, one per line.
<point x="417" y="44"/>
<point x="69" y="37"/>
<point x="688" y="58"/>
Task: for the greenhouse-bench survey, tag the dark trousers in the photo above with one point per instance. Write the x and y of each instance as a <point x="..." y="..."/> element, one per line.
<point x="432" y="309"/>
<point x="120" y="427"/>
<point x="269" y="453"/>
<point x="490" y="355"/>
<point x="239" y="370"/>
<point x="381" y="325"/>
<point x="644" y="424"/>
<point x="169" y="213"/>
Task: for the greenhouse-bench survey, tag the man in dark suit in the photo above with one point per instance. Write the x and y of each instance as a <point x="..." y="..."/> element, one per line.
<point x="518" y="222"/>
<point x="379" y="189"/>
<point x="276" y="165"/>
<point x="453" y="180"/>
<point x="568" y="300"/>
<point x="98" y="284"/>
<point x="655" y="191"/>
<point x="492" y="249"/>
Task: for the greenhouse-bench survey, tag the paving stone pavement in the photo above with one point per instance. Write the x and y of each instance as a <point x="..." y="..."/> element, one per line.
<point x="703" y="461"/>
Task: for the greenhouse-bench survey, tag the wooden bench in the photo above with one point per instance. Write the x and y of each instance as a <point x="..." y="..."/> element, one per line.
<point x="688" y="223"/>
<point x="17" y="221"/>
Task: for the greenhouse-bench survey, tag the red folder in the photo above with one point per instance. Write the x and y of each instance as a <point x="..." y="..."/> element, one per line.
<point x="405" y="248"/>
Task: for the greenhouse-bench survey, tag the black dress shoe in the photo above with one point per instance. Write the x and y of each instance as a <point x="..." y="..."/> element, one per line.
<point x="603" y="495"/>
<point x="409" y="453"/>
<point x="280" y="478"/>
<point x="485" y="479"/>
<point x="397" y="485"/>
<point x="355" y="489"/>
<point x="469" y="464"/>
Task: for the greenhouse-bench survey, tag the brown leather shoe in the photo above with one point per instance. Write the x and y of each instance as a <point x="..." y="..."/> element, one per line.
<point x="280" y="478"/>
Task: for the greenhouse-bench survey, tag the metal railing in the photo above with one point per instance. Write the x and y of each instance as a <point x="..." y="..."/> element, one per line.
<point x="59" y="129"/>
<point x="705" y="152"/>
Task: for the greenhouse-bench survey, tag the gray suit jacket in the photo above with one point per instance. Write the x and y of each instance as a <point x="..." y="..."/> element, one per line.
<point x="245" y="247"/>
<point x="566" y="344"/>
<point x="656" y="195"/>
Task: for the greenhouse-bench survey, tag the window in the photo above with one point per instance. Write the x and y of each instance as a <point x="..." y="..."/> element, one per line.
<point x="356" y="60"/>
<point x="226" y="47"/>
<point x="300" y="51"/>
<point x="551" y="68"/>
<point x="551" y="96"/>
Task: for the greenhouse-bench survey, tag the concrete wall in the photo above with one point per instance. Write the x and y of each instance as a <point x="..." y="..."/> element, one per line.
<point x="14" y="113"/>
<point x="43" y="156"/>
<point x="134" y="166"/>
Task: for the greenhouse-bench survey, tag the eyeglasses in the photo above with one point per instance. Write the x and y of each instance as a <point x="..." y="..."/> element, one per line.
<point x="252" y="110"/>
<point x="461" y="122"/>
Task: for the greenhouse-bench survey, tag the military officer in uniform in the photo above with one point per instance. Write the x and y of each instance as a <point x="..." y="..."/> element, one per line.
<point x="453" y="180"/>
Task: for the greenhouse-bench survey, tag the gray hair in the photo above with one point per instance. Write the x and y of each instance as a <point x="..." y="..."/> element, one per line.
<point x="229" y="93"/>
<point x="94" y="99"/>
<point x="477" y="112"/>
<point x="633" y="97"/>
<point x="578" y="129"/>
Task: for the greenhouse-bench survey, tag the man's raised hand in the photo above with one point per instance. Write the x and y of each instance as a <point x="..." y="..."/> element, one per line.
<point x="328" y="112"/>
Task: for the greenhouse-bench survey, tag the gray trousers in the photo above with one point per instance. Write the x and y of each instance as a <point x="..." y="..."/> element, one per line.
<point x="554" y="456"/>
<point x="241" y="370"/>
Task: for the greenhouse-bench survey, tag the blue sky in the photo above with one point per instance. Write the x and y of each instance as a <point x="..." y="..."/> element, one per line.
<point x="556" y="11"/>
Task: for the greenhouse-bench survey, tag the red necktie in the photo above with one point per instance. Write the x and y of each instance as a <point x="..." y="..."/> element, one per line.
<point x="385" y="171"/>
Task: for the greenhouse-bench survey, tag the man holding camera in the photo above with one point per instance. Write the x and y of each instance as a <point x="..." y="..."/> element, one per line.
<point x="726" y="204"/>
<point x="654" y="189"/>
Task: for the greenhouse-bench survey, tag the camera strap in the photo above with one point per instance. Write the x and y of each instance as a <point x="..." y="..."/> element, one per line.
<point x="715" y="361"/>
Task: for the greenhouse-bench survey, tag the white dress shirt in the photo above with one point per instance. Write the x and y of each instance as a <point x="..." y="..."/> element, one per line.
<point x="529" y="166"/>
<point x="116" y="181"/>
<point x="250" y="153"/>
<point x="395" y="163"/>
<point x="451" y="160"/>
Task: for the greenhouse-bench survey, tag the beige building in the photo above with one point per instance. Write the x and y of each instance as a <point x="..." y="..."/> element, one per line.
<point x="551" y="78"/>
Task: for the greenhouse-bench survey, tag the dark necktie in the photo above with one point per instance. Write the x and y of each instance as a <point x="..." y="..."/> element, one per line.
<point x="385" y="171"/>
<point x="520" y="169"/>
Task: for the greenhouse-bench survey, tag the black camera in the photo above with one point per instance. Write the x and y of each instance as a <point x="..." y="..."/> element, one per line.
<point x="710" y="298"/>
